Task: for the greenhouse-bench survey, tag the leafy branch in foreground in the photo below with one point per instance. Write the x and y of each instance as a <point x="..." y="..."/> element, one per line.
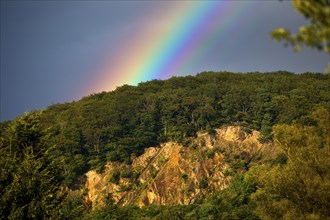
<point x="314" y="35"/>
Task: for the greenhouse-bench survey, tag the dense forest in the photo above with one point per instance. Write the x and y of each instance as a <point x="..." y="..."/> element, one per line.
<point x="45" y="153"/>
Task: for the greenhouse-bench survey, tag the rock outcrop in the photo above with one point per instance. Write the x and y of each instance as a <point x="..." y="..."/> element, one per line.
<point x="174" y="173"/>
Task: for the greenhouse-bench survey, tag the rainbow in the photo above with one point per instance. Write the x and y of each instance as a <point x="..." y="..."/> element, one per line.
<point x="169" y="40"/>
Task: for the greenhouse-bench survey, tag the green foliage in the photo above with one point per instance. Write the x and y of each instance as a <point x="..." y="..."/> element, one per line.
<point x="184" y="177"/>
<point x="297" y="187"/>
<point x="117" y="126"/>
<point x="281" y="158"/>
<point x="126" y="173"/>
<point x="153" y="172"/>
<point x="115" y="177"/>
<point x="203" y="184"/>
<point x="150" y="212"/>
<point x="29" y="174"/>
<point x="73" y="206"/>
<point x="314" y="35"/>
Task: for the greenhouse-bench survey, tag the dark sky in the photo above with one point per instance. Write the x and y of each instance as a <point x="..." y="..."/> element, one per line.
<point x="56" y="51"/>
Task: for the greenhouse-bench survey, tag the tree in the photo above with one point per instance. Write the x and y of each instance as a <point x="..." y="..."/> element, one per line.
<point x="297" y="189"/>
<point x="29" y="177"/>
<point x="314" y="35"/>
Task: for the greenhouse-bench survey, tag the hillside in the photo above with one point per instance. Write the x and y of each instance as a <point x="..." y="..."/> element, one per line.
<point x="176" y="174"/>
<point x="213" y="146"/>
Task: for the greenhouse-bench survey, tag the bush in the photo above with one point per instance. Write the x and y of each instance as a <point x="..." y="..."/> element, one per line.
<point x="115" y="177"/>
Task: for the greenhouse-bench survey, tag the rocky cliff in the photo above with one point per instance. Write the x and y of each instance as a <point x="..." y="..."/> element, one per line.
<point x="174" y="173"/>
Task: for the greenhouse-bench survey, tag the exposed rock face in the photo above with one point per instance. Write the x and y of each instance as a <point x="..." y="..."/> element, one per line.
<point x="173" y="173"/>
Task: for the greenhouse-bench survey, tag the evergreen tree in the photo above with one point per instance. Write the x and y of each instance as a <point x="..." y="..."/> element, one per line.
<point x="29" y="179"/>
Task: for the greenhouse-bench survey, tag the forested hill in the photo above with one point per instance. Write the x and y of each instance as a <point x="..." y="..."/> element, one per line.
<point x="114" y="125"/>
<point x="55" y="146"/>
